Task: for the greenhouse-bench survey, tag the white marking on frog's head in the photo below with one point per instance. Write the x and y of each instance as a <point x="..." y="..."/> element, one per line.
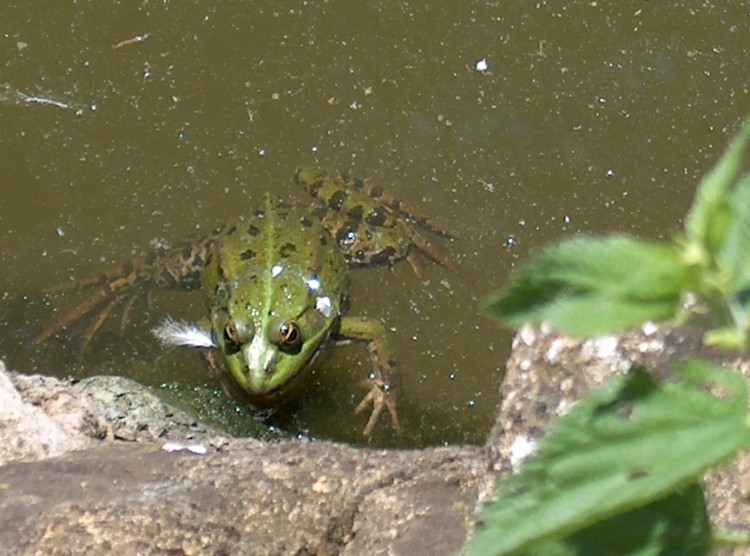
<point x="313" y="284"/>
<point x="172" y="333"/>
<point x="259" y="357"/>
<point x="324" y="306"/>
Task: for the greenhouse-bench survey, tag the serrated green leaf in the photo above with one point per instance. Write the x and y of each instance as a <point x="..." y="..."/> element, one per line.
<point x="594" y="315"/>
<point x="592" y="285"/>
<point x="706" y="220"/>
<point x="676" y="524"/>
<point x="620" y="448"/>
<point x="733" y="258"/>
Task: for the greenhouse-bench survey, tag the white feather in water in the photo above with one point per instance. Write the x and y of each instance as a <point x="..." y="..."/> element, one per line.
<point x="171" y="332"/>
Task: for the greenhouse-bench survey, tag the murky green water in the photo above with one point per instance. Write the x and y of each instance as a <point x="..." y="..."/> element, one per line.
<point x="591" y="117"/>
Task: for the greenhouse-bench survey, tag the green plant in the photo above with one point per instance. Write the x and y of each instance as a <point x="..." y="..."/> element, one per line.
<point x="602" y="480"/>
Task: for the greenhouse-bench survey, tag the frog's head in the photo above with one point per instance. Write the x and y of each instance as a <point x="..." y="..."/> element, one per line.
<point x="268" y="341"/>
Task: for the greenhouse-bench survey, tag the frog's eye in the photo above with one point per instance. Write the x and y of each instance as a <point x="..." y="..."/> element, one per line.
<point x="231" y="337"/>
<point x="235" y="334"/>
<point x="290" y="336"/>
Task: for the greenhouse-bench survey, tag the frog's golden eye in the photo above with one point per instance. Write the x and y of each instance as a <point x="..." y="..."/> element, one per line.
<point x="232" y="339"/>
<point x="290" y="336"/>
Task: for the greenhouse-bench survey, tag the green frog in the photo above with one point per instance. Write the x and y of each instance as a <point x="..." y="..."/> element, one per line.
<point x="276" y="284"/>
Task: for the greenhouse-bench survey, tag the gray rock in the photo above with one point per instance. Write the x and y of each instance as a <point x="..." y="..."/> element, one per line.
<point x="204" y="494"/>
<point x="135" y="413"/>
<point x="39" y="418"/>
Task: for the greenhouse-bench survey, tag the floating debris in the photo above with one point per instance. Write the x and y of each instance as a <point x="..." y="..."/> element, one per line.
<point x="9" y="95"/>
<point x="134" y="40"/>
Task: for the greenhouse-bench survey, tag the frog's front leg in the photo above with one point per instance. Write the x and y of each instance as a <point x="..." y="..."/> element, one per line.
<point x="383" y="389"/>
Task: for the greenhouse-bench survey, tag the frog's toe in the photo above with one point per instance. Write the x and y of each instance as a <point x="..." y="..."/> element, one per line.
<point x="381" y="397"/>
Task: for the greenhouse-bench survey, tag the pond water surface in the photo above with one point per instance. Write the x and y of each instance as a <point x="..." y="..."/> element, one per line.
<point x="129" y="123"/>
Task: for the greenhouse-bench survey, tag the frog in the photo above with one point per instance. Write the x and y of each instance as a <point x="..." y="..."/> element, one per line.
<point x="276" y="284"/>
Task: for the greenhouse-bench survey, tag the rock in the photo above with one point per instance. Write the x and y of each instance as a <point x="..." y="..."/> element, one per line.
<point x="135" y="413"/>
<point x="204" y="494"/>
<point x="40" y="419"/>
<point x="242" y="497"/>
<point x="547" y="373"/>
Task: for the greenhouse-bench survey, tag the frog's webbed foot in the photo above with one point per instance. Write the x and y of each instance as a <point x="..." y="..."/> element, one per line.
<point x="427" y="247"/>
<point x="383" y="380"/>
<point x="382" y="396"/>
<point x="114" y="288"/>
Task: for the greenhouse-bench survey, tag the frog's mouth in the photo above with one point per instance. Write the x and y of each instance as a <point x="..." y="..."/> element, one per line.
<point x="261" y="386"/>
<point x="290" y="389"/>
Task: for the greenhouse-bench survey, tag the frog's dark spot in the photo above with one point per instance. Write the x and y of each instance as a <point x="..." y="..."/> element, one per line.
<point x="253" y="230"/>
<point x="356" y="212"/>
<point x="337" y="200"/>
<point x="282" y="215"/>
<point x="386" y="255"/>
<point x="247" y="254"/>
<point x="324" y="239"/>
<point x="313" y="187"/>
<point x="187" y="252"/>
<point x="376" y="191"/>
<point x="360" y="256"/>
<point x="231" y="230"/>
<point x="260" y="213"/>
<point x="358" y="184"/>
<point x="209" y="258"/>
<point x="198" y="261"/>
<point x="126" y="269"/>
<point x="346" y="236"/>
<point x="287" y="249"/>
<point x="377" y="217"/>
<point x="191" y="278"/>
<point x="222" y="267"/>
<point x="166" y="280"/>
<point x="306" y="222"/>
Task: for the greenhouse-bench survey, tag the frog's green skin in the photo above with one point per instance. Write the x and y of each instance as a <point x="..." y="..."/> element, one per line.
<point x="276" y="284"/>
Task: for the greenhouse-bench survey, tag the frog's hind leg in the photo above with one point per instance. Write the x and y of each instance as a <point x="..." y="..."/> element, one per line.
<point x="425" y="246"/>
<point x="406" y="210"/>
<point x="110" y="294"/>
<point x="98" y="321"/>
<point x="128" y="309"/>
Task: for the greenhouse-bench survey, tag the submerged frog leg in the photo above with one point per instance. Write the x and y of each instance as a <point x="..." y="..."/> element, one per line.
<point x="125" y="319"/>
<point x="398" y="206"/>
<point x="97" y="324"/>
<point x="371" y="226"/>
<point x="175" y="268"/>
<point x="71" y="316"/>
<point x="383" y="388"/>
<point x="432" y="250"/>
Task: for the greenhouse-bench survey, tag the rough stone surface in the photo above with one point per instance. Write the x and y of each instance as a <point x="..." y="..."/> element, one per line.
<point x="212" y="495"/>
<point x="135" y="413"/>
<point x="242" y="497"/>
<point x="39" y="418"/>
<point x="547" y="373"/>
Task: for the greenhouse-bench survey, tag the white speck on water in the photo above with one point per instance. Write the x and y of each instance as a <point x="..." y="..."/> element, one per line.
<point x="482" y="65"/>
